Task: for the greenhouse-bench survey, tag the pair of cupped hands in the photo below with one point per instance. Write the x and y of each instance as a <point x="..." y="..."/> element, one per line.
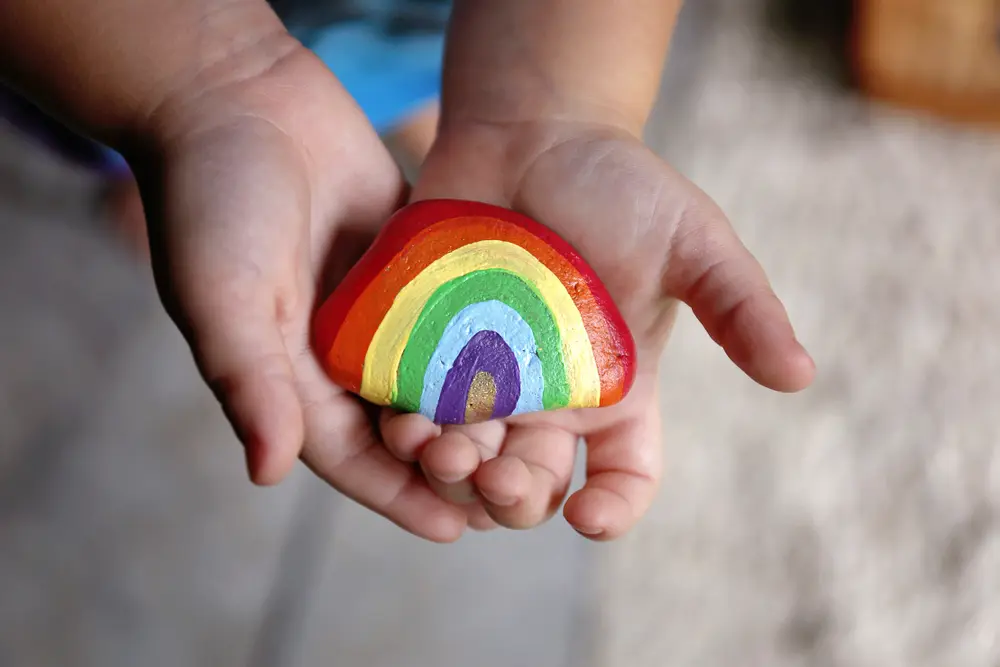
<point x="262" y="194"/>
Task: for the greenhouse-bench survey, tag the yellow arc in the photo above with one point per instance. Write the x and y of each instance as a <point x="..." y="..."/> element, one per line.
<point x="379" y="376"/>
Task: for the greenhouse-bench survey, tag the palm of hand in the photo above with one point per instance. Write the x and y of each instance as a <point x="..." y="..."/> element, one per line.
<point x="653" y="238"/>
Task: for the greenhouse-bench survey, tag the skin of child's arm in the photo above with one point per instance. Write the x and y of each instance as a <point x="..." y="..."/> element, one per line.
<point x="580" y="60"/>
<point x="109" y="67"/>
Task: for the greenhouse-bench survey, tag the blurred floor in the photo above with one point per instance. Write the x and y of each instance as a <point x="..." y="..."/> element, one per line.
<point x="857" y="524"/>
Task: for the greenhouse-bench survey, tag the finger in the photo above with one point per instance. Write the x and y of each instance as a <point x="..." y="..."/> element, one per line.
<point x="488" y="436"/>
<point x="623" y="473"/>
<point x="712" y="271"/>
<point x="343" y="450"/>
<point x="525" y="485"/>
<point x="448" y="461"/>
<point x="241" y="354"/>
<point x="406" y="435"/>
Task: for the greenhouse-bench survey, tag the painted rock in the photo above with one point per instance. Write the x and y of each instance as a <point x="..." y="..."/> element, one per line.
<point x="466" y="312"/>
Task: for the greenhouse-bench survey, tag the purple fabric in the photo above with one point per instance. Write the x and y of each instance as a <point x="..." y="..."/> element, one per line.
<point x="486" y="351"/>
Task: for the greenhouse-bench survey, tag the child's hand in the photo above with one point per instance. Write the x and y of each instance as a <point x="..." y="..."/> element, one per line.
<point x="262" y="183"/>
<point x="654" y="239"/>
<point x="266" y="191"/>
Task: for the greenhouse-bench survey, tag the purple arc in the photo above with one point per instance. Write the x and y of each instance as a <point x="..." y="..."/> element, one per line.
<point x="486" y="352"/>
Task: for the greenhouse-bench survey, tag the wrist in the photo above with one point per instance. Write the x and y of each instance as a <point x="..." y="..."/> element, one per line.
<point x="587" y="61"/>
<point x="234" y="54"/>
<point x="527" y="110"/>
<point x="274" y="91"/>
<point x="489" y="160"/>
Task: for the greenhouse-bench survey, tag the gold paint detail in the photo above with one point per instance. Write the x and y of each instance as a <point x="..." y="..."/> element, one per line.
<point x="482" y="398"/>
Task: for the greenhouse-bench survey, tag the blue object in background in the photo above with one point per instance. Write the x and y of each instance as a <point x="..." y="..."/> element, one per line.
<point x="391" y="76"/>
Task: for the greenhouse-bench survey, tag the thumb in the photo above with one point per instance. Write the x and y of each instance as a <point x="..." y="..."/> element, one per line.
<point x="711" y="270"/>
<point x="240" y="352"/>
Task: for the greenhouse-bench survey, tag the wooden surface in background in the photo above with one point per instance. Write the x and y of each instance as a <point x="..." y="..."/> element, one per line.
<point x="939" y="55"/>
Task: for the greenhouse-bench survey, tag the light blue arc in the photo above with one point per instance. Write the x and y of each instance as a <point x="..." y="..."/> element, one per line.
<point x="486" y="316"/>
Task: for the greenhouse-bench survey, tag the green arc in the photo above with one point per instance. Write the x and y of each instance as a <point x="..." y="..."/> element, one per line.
<point x="455" y="295"/>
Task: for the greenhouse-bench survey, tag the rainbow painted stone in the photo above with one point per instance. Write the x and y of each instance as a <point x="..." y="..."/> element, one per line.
<point x="466" y="312"/>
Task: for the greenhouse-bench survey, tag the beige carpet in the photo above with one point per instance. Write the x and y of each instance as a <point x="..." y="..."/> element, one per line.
<point x="857" y="524"/>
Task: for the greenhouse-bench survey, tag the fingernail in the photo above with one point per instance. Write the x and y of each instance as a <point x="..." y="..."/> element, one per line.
<point x="805" y="351"/>
<point x="588" y="531"/>
<point x="452" y="478"/>
<point x="499" y="499"/>
<point x="252" y="455"/>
